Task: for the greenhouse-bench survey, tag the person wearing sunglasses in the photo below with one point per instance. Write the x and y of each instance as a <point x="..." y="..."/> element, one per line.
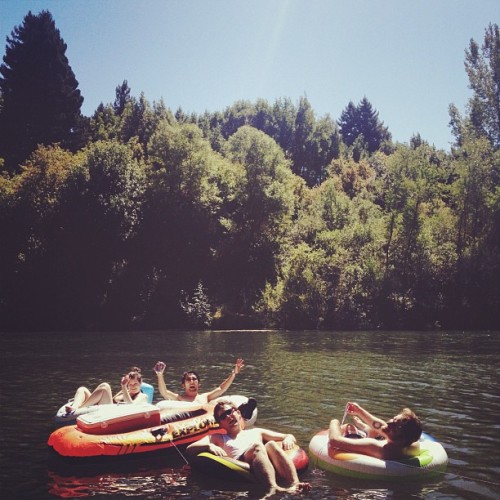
<point x="261" y="451"/>
<point x="191" y="384"/>
<point x="396" y="438"/>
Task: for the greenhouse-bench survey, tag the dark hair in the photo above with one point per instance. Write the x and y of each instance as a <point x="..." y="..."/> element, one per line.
<point x="220" y="404"/>
<point x="135" y="375"/>
<point x="410" y="428"/>
<point x="186" y="374"/>
<point x="135" y="369"/>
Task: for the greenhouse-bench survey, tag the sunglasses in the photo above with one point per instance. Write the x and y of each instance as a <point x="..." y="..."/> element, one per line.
<point x="187" y="379"/>
<point x="226" y="413"/>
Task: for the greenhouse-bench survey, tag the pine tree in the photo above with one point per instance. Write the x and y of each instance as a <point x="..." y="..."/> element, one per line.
<point x="41" y="100"/>
<point x="122" y="93"/>
<point x="363" y="120"/>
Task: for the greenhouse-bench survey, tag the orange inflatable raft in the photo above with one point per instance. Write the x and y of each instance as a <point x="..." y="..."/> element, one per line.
<point x="114" y="431"/>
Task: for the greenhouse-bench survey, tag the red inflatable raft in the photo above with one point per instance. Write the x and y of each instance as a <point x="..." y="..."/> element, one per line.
<point x="130" y="429"/>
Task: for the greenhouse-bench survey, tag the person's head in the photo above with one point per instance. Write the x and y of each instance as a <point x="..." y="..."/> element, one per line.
<point x="226" y="414"/>
<point x="190" y="382"/>
<point x="134" y="381"/>
<point x="190" y="376"/>
<point x="404" y="428"/>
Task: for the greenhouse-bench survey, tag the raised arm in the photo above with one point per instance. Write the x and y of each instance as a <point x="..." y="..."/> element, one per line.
<point x="219" y="391"/>
<point x="124" y="394"/>
<point x="373" y="422"/>
<point x="162" y="387"/>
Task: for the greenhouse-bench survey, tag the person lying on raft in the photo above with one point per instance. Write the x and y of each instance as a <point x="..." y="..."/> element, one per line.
<point x="130" y="393"/>
<point x="191" y="384"/>
<point x="259" y="450"/>
<point x="396" y="438"/>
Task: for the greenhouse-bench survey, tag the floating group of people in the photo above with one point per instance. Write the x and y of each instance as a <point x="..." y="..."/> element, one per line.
<point x="263" y="451"/>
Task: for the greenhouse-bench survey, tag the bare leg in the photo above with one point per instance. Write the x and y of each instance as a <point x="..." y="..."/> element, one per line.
<point x="101" y="395"/>
<point x="284" y="467"/>
<point x="351" y="429"/>
<point x="262" y="467"/>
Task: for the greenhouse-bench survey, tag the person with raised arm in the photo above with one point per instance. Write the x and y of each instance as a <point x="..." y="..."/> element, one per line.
<point x="396" y="438"/>
<point x="191" y="384"/>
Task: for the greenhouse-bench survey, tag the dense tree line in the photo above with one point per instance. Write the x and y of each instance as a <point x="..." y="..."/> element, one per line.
<point x="259" y="215"/>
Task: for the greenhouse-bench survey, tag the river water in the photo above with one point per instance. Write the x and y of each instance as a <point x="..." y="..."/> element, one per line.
<point x="300" y="379"/>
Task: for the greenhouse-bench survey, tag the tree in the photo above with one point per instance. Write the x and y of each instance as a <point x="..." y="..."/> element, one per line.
<point x="362" y="120"/>
<point x="476" y="195"/>
<point x="197" y="308"/>
<point x="262" y="217"/>
<point x="41" y="100"/>
<point x="483" y="69"/>
<point x="122" y="93"/>
<point x="304" y="129"/>
<point x="180" y="221"/>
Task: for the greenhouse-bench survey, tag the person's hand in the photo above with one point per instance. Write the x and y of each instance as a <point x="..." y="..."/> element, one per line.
<point x="159" y="368"/>
<point x="353" y="408"/>
<point x="124" y="381"/>
<point x="217" y="450"/>
<point x="288" y="442"/>
<point x="240" y="363"/>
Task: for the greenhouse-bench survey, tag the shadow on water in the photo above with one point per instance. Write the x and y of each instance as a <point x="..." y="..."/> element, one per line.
<point x="158" y="475"/>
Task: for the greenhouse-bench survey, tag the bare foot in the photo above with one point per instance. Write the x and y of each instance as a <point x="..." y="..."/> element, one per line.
<point x="297" y="487"/>
<point x="302" y="487"/>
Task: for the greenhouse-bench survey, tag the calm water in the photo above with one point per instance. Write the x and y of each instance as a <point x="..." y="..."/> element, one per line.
<point x="300" y="379"/>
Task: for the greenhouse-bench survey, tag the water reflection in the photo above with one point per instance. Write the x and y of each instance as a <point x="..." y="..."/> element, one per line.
<point x="132" y="484"/>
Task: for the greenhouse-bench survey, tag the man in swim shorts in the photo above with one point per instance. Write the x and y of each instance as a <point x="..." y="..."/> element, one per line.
<point x="259" y="450"/>
<point x="396" y="438"/>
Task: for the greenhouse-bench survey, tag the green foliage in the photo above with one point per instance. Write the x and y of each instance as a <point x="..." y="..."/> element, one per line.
<point x="261" y="204"/>
<point x="475" y="192"/>
<point x="299" y="299"/>
<point x="41" y="100"/>
<point x="308" y="143"/>
<point x="197" y="308"/>
<point x="483" y="69"/>
<point x="262" y="214"/>
<point x="114" y="185"/>
<point x="482" y="65"/>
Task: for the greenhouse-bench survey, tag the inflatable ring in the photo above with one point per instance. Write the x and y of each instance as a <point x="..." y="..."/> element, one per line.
<point x="431" y="461"/>
<point x="230" y="470"/>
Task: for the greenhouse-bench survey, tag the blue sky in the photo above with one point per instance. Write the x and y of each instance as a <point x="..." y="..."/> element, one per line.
<point x="406" y="57"/>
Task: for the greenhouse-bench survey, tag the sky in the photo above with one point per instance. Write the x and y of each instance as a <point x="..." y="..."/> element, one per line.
<point x="406" y="57"/>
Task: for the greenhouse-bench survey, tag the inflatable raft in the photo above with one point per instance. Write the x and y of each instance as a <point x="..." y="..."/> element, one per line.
<point x="127" y="429"/>
<point x="247" y="406"/>
<point x="64" y="418"/>
<point x="230" y="470"/>
<point x="431" y="461"/>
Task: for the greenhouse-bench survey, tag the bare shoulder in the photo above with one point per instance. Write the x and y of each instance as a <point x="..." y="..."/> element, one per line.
<point x="216" y="439"/>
